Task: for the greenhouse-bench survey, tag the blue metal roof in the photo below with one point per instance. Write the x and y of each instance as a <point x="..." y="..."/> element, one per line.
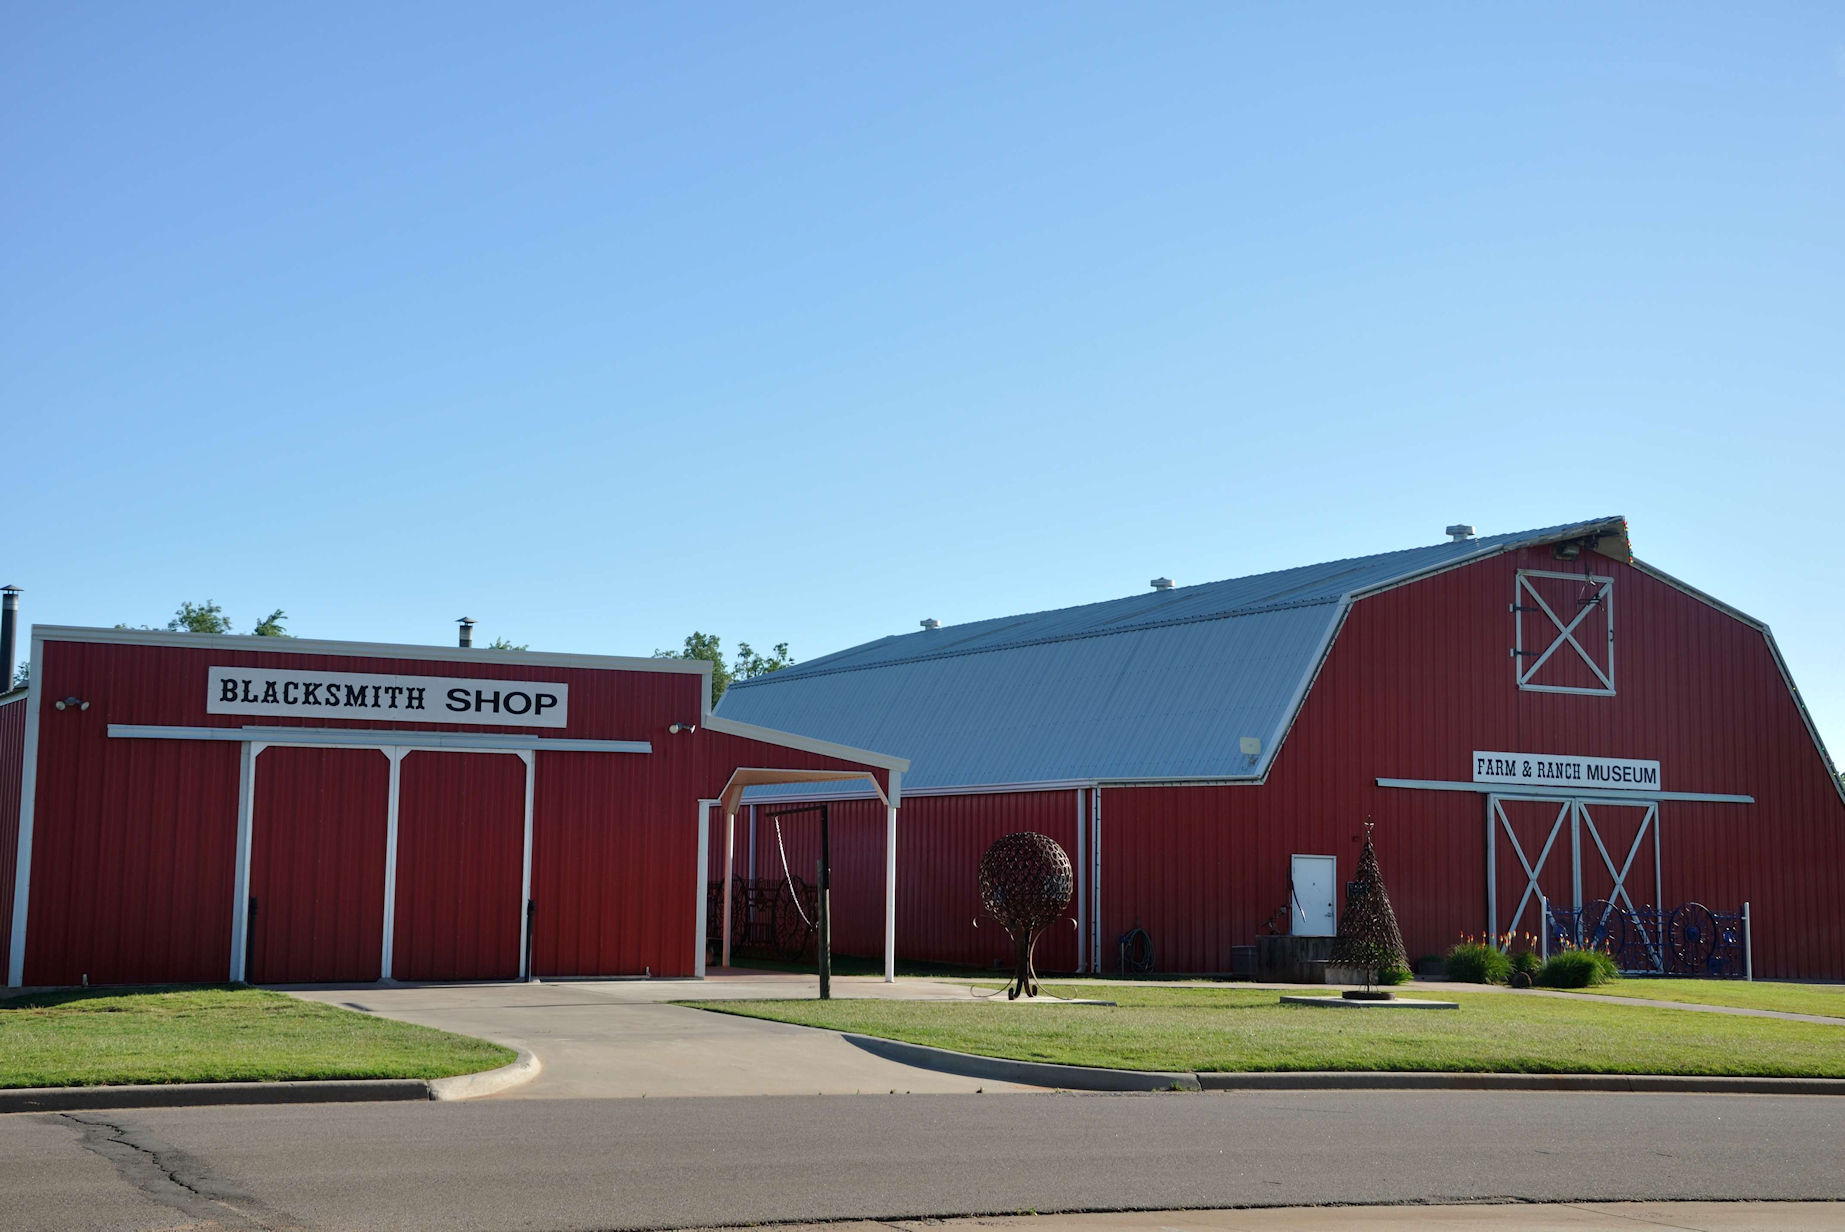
<point x="1156" y="685"/>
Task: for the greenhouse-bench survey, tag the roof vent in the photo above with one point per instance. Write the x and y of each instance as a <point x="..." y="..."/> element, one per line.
<point x="932" y="623"/>
<point x="1460" y="532"/>
<point x="1161" y="583"/>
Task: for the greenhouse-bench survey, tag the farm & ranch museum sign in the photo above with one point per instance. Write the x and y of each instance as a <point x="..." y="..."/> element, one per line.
<point x="359" y="695"/>
<point x="1550" y="770"/>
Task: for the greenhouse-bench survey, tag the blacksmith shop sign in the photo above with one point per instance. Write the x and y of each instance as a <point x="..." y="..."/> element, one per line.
<point x="1552" y="770"/>
<point x="286" y="692"/>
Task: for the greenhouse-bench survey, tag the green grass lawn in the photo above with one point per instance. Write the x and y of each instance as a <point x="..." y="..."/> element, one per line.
<point x="1172" y="1028"/>
<point x="1790" y="998"/>
<point x="100" y="1036"/>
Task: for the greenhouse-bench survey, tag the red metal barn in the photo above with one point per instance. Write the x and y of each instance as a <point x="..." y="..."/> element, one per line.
<point x="1528" y="718"/>
<point x="180" y="807"/>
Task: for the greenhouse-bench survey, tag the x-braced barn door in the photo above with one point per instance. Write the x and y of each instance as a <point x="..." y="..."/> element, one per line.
<point x="1544" y="837"/>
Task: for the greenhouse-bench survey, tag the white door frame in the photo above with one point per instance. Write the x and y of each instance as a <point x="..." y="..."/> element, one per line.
<point x="1297" y="913"/>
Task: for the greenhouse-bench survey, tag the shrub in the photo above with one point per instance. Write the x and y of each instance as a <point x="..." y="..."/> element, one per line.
<point x="1393" y="975"/>
<point x="1475" y="962"/>
<point x="1577" y="969"/>
<point x="1525" y="962"/>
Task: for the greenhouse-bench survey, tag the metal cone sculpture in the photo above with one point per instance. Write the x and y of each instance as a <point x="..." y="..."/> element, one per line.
<point x="1368" y="933"/>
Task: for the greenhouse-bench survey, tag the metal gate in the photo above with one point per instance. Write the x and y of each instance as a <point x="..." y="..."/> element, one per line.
<point x="1569" y="819"/>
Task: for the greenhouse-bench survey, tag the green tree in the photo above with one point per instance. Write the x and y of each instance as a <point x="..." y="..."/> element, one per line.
<point x="708" y="647"/>
<point x="500" y="643"/>
<point x="209" y="617"/>
<point x="22" y="675"/>
<point x="749" y="664"/>
<point x="206" y="617"/>
<point x="271" y="625"/>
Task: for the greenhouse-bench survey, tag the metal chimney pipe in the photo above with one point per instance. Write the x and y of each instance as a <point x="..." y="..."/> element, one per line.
<point x="9" y="633"/>
<point x="467" y="632"/>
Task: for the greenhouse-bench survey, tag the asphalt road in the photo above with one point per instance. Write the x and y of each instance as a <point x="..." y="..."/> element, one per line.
<point x="689" y="1162"/>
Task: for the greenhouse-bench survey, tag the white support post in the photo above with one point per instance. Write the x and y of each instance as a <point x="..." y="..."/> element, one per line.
<point x="1543" y="928"/>
<point x="890" y="878"/>
<point x="1082" y="882"/>
<point x="1575" y="808"/>
<point x="28" y="790"/>
<point x="240" y="877"/>
<point x="730" y="862"/>
<point x="753" y="874"/>
<point x="1748" y="946"/>
<point x="704" y="875"/>
<point x="396" y="754"/>
<point x="525" y="877"/>
<point x="1492" y="868"/>
<point x="1095" y="883"/>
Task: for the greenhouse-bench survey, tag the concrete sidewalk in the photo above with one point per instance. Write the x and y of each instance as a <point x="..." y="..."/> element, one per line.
<point x="1505" y="1217"/>
<point x="617" y="1038"/>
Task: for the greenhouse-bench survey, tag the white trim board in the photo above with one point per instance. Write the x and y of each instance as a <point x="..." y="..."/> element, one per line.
<point x="1515" y="791"/>
<point x="788" y="740"/>
<point x="375" y="738"/>
<point x="368" y="650"/>
<point x="22" y="852"/>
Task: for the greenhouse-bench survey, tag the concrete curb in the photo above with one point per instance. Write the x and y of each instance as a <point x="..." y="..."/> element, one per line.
<point x="1027" y="1073"/>
<point x="1088" y="1078"/>
<point x="198" y="1094"/>
<point x="517" y="1072"/>
<point x="1668" y="1084"/>
<point x="520" y="1070"/>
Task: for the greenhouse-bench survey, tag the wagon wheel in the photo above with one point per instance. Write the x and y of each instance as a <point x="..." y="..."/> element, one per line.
<point x="1691" y="935"/>
<point x="1604" y="928"/>
<point x="793" y="934"/>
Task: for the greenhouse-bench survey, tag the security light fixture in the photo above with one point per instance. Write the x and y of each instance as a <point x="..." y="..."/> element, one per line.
<point x="69" y="702"/>
<point x="687" y="728"/>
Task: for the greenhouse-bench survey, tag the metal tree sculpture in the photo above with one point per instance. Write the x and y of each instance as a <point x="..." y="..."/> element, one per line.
<point x="1368" y="934"/>
<point x="1025" y="883"/>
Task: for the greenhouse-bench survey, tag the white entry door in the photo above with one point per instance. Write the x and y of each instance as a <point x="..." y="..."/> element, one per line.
<point x="1315" y="896"/>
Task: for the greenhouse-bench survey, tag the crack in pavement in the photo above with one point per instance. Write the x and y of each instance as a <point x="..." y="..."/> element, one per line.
<point x="173" y="1177"/>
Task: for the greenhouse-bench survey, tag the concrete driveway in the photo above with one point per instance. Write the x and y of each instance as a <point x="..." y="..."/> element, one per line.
<point x="618" y="1038"/>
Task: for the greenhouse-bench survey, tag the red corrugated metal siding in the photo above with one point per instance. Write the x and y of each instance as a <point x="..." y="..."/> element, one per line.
<point x="940" y="840"/>
<point x="317" y="864"/>
<point x="1419" y="678"/>
<point x="614" y="851"/>
<point x="460" y="866"/>
<point x="12" y="772"/>
<point x="614" y="860"/>
<point x="133" y="855"/>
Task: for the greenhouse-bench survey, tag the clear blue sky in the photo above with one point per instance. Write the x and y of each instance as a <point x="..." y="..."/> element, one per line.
<point x="601" y="323"/>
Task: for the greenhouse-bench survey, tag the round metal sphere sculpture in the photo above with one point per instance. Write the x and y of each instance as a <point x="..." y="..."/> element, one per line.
<point x="1025" y="883"/>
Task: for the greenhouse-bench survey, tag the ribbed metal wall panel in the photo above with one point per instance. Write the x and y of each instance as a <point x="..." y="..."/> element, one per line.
<point x="1419" y="678"/>
<point x="614" y="851"/>
<point x="460" y="865"/>
<point x="940" y="840"/>
<point x="12" y="776"/>
<point x="317" y="865"/>
<point x="134" y="841"/>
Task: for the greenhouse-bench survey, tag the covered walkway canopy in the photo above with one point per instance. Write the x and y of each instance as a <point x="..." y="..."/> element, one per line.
<point x="731" y="797"/>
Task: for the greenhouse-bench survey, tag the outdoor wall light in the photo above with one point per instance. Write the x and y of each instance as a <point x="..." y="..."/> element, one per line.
<point x="687" y="728"/>
<point x="68" y="702"/>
